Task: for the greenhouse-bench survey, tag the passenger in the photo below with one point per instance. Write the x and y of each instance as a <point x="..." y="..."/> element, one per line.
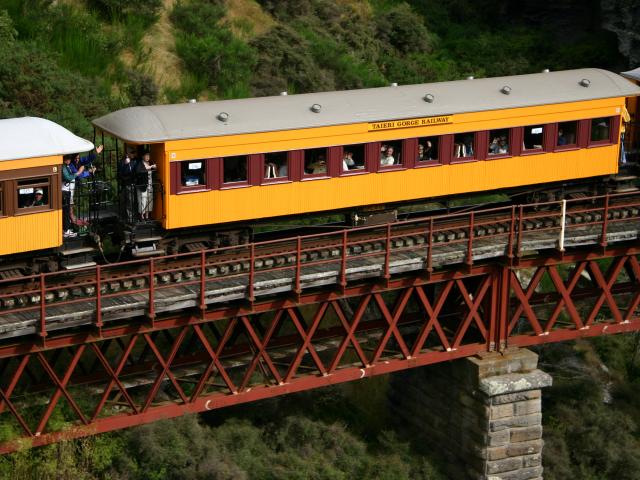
<point x="126" y="179"/>
<point x="283" y="171"/>
<point x="347" y="161"/>
<point x="38" y="198"/>
<point x="468" y="146"/>
<point x="270" y="170"/>
<point x="144" y="186"/>
<point x="87" y="162"/>
<point x="317" y="167"/>
<point x="426" y="151"/>
<point x="562" y="140"/>
<point x="387" y="158"/>
<point x="503" y="146"/>
<point x="68" y="186"/>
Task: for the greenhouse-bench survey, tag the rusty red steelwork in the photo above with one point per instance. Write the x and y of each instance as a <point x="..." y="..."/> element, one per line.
<point x="229" y="354"/>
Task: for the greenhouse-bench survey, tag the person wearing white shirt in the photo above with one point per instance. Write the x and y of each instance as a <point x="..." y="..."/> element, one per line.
<point x="387" y="158"/>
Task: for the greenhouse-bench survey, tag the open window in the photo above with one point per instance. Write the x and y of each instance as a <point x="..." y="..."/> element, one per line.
<point x="276" y="166"/>
<point x="235" y="170"/>
<point x="391" y="154"/>
<point x="193" y="174"/>
<point x="428" y="151"/>
<point x="533" y="139"/>
<point x="2" y="207"/>
<point x="315" y="162"/>
<point x="567" y="135"/>
<point x="33" y="194"/>
<point x="353" y="159"/>
<point x="600" y="131"/>
<point x="499" y="143"/>
<point x="464" y="147"/>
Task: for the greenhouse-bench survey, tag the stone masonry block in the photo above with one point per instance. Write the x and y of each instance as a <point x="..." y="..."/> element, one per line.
<point x="524" y="448"/>
<point x="527" y="407"/>
<point x="516" y="397"/>
<point x="504" y="465"/>
<point x="534" y="460"/>
<point x="526" y="434"/>
<point x="515" y="382"/>
<point x="516" y="422"/>
<point x="492" y="364"/>
<point x="501" y="411"/>
<point x="530" y="473"/>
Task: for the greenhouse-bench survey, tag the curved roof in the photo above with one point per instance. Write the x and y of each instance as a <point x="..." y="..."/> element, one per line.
<point x="632" y="74"/>
<point x="195" y="120"/>
<point x="29" y="137"/>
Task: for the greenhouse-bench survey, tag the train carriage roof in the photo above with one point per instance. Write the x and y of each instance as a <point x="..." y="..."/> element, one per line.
<point x="632" y="74"/>
<point x="196" y="120"/>
<point x="30" y="137"/>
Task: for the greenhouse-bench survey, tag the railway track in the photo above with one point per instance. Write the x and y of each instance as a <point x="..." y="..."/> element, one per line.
<point x="461" y="231"/>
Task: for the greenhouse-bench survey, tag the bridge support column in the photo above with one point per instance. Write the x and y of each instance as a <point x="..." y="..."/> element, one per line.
<point x="484" y="415"/>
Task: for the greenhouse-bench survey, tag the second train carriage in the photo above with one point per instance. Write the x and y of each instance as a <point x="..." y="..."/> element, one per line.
<point x="237" y="161"/>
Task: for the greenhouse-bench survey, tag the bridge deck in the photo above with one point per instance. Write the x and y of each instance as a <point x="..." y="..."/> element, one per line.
<point x="411" y="256"/>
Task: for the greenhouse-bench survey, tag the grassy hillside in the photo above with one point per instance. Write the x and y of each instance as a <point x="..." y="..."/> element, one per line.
<point x="70" y="60"/>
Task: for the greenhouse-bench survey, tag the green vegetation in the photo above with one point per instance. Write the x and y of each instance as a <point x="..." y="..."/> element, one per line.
<point x="74" y="60"/>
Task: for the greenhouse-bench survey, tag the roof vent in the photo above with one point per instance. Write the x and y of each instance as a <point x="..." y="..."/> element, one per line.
<point x="316" y="107"/>
<point x="223" y="116"/>
<point x="284" y="94"/>
<point x="506" y="89"/>
<point x="470" y="77"/>
<point x="429" y="98"/>
<point x="193" y="100"/>
<point x="546" y="70"/>
<point x="585" y="82"/>
<point x="393" y="84"/>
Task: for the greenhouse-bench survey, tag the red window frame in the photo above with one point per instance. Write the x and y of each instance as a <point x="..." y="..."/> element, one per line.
<point x="546" y="138"/>
<point x="261" y="160"/>
<point x="479" y="139"/>
<point x="175" y="172"/>
<point x="407" y="149"/>
<point x="430" y="163"/>
<point x="614" y="132"/>
<point x="359" y="171"/>
<point x="327" y="160"/>
<point x="241" y="183"/>
<point x="514" y="137"/>
<point x="2" y="203"/>
<point x="570" y="146"/>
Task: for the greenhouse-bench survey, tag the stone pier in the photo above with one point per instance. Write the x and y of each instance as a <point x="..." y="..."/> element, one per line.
<point x="482" y="415"/>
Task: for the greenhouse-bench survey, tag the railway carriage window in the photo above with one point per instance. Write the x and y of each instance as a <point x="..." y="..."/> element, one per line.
<point x="533" y="137"/>
<point x="193" y="173"/>
<point x="600" y="129"/>
<point x="391" y="154"/>
<point x="499" y="142"/>
<point x="276" y="165"/>
<point x="315" y="161"/>
<point x="353" y="158"/>
<point x="428" y="149"/>
<point x="464" y="145"/>
<point x="234" y="169"/>
<point x="567" y="134"/>
<point x="33" y="193"/>
<point x="1" y="200"/>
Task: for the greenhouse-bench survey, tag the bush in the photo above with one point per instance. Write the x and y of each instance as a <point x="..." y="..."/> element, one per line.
<point x="118" y="9"/>
<point x="210" y="50"/>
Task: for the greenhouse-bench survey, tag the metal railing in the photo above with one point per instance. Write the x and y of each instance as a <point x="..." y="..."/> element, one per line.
<point x="508" y="226"/>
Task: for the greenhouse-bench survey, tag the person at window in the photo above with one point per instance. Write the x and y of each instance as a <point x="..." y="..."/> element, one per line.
<point x="68" y="186"/>
<point x="468" y="146"/>
<point x="317" y="167"/>
<point x="562" y="140"/>
<point x="283" y="171"/>
<point x="347" y="161"/>
<point x="38" y="198"/>
<point x="426" y="151"/>
<point x="387" y="158"/>
<point x="126" y="179"/>
<point x="144" y="186"/>
<point x="270" y="170"/>
<point x="503" y="145"/>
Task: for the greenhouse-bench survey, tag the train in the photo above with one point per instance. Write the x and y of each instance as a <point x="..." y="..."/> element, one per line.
<point x="220" y="167"/>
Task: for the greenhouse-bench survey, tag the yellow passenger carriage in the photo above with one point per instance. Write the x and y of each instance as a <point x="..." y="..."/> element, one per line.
<point x="233" y="161"/>
<point x="31" y="151"/>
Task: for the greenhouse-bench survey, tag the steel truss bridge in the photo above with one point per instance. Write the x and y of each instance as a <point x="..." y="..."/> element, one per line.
<point x="126" y="344"/>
